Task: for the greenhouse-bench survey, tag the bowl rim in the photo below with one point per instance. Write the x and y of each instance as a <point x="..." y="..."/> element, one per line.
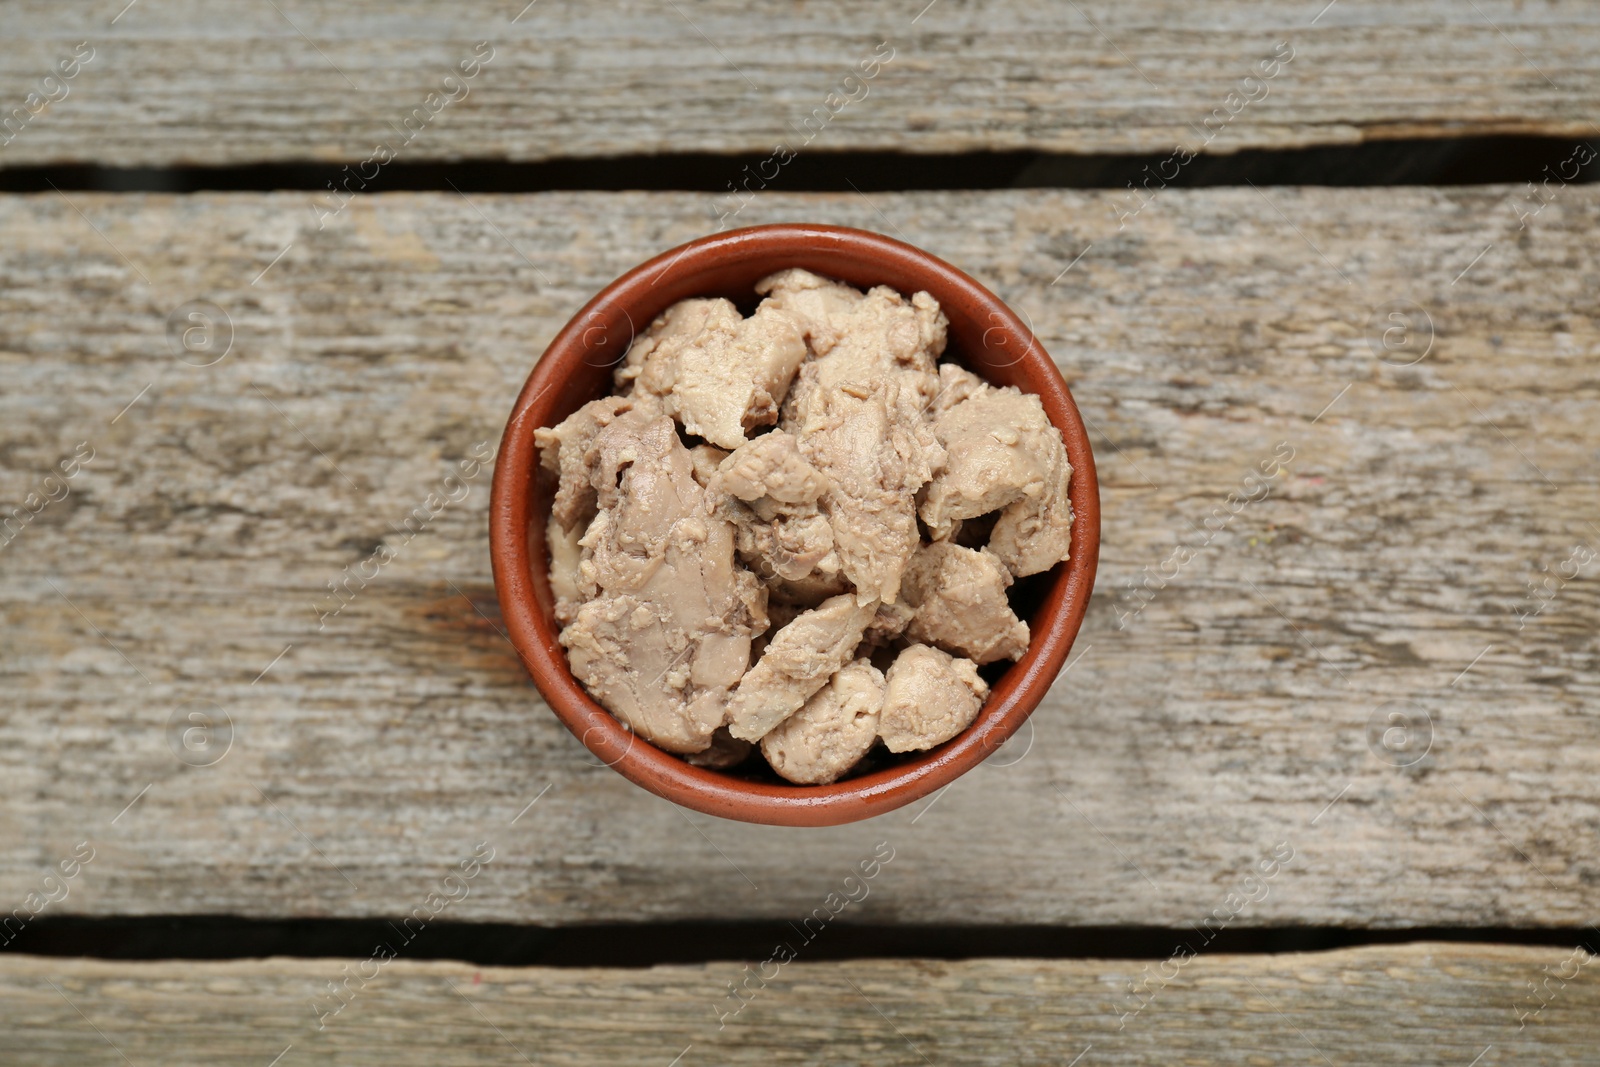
<point x="534" y="634"/>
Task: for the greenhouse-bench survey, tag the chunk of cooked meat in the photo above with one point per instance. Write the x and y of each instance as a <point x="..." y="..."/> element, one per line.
<point x="797" y="662"/>
<point x="622" y="649"/>
<point x="996" y="448"/>
<point x="706" y="459"/>
<point x="956" y="383"/>
<point x="880" y="334"/>
<point x="718" y="373"/>
<point x="821" y="306"/>
<point x="780" y="613"/>
<point x="566" y="450"/>
<point x="770" y="493"/>
<point x="644" y="487"/>
<point x="832" y="731"/>
<point x="1034" y="533"/>
<point x="792" y="547"/>
<point x="858" y="410"/>
<point x="671" y="617"/>
<point x="959" y="596"/>
<point x="771" y="468"/>
<point x="930" y="697"/>
<point x="874" y="331"/>
<point x="566" y="557"/>
<point x="875" y="460"/>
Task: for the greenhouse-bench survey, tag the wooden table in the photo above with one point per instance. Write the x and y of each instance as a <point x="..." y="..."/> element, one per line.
<point x="1379" y="682"/>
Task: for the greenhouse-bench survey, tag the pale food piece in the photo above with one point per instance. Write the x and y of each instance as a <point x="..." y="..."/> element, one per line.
<point x="706" y="460"/>
<point x="566" y="556"/>
<point x="566" y="450"/>
<point x="1000" y="448"/>
<point x="797" y="662"/>
<point x="856" y="336"/>
<point x="858" y="408"/>
<point x="717" y="373"/>
<point x="875" y="461"/>
<point x="671" y="617"/>
<point x="959" y="598"/>
<point x="930" y="696"/>
<point x="1001" y="453"/>
<point x="771" y="468"/>
<point x="771" y="494"/>
<point x="1034" y="533"/>
<point x="832" y="730"/>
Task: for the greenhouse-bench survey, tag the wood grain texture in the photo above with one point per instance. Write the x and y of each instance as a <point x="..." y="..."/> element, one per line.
<point x="1230" y="717"/>
<point x="1411" y="1004"/>
<point x="181" y="82"/>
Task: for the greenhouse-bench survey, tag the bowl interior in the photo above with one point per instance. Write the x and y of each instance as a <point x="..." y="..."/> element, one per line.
<point x="984" y="336"/>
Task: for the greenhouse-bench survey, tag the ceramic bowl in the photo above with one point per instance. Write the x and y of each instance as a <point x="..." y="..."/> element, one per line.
<point x="985" y="336"/>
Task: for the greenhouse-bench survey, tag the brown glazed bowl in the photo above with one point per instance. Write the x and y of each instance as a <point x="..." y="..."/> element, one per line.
<point x="985" y="336"/>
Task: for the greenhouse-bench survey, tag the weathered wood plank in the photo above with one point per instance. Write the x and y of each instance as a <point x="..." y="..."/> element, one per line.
<point x="1411" y="1004"/>
<point x="179" y="82"/>
<point x="1228" y="718"/>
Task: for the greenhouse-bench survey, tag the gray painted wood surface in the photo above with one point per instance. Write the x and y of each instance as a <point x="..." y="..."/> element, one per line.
<point x="1246" y="708"/>
<point x="181" y="81"/>
<point x="1413" y="1004"/>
